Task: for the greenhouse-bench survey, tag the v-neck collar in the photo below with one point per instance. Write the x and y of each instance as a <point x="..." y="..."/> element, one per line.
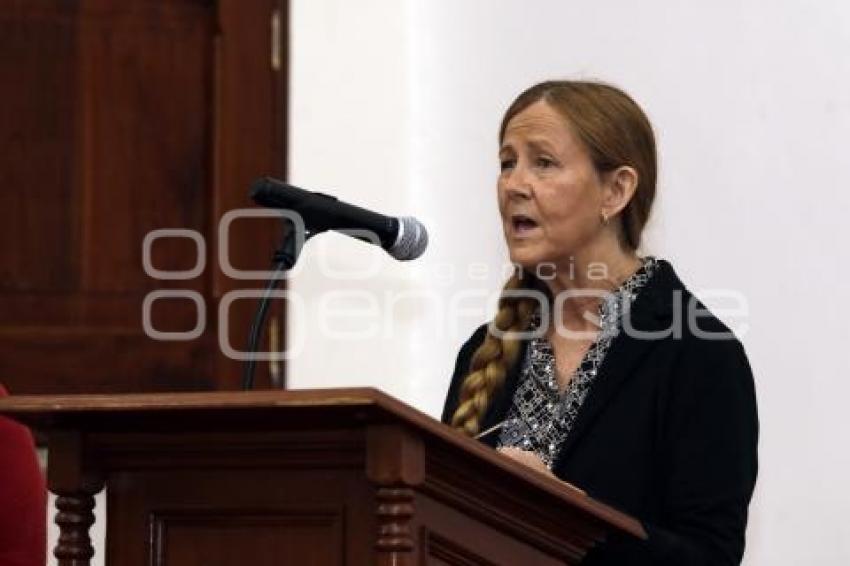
<point x="541" y="416"/>
<point x="650" y="311"/>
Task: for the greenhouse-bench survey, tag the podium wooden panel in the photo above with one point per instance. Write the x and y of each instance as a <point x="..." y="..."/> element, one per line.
<point x="321" y="477"/>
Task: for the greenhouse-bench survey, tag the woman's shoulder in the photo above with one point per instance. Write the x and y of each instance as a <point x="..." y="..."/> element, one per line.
<point x="704" y="346"/>
<point x="709" y="354"/>
<point x="668" y="300"/>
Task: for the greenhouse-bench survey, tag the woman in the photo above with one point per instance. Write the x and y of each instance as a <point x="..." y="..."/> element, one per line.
<point x="600" y="367"/>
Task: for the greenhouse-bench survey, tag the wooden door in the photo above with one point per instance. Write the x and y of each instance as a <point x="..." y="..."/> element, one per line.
<point x="119" y="118"/>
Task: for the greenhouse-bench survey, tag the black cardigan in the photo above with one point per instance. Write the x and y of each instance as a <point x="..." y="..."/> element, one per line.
<point x="668" y="432"/>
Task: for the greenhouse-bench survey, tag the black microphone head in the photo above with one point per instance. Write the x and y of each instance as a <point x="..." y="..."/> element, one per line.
<point x="258" y="187"/>
<point x="403" y="238"/>
<point x="411" y="241"/>
<point x="272" y="193"/>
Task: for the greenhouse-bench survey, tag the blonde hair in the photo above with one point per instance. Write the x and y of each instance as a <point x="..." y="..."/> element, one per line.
<point x="492" y="360"/>
<point x="615" y="132"/>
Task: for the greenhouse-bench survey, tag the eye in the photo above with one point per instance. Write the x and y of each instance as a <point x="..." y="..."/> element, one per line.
<point x="545" y="162"/>
<point x="507" y="163"/>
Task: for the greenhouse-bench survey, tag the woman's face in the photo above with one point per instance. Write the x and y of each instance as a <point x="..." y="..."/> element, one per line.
<point x="550" y="195"/>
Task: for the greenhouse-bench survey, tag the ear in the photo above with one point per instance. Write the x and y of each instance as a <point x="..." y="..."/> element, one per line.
<point x="619" y="188"/>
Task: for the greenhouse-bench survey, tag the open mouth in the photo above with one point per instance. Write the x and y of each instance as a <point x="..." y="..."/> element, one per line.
<point x="522" y="223"/>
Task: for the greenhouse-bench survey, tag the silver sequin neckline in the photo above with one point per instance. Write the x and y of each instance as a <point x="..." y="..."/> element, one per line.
<point x="541" y="417"/>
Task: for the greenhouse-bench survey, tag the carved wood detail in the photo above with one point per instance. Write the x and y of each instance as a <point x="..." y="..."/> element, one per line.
<point x="395" y="535"/>
<point x="75" y="517"/>
<point x="449" y="551"/>
<point x="395" y="465"/>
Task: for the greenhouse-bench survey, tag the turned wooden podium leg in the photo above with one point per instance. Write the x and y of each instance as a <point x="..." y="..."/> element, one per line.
<point x="395" y="463"/>
<point x="395" y="537"/>
<point x="75" y="516"/>
<point x="72" y="478"/>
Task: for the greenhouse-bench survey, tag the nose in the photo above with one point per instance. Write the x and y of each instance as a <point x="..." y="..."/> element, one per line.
<point x="517" y="184"/>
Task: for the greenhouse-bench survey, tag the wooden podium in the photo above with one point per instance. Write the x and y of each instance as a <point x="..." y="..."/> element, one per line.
<point x="308" y="478"/>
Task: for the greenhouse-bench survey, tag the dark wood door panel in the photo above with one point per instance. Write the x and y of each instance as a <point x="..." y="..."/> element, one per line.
<point x="107" y="135"/>
<point x="118" y="118"/>
<point x="147" y="107"/>
<point x="39" y="196"/>
<point x="273" y="539"/>
<point x="268" y="517"/>
<point x="98" y="361"/>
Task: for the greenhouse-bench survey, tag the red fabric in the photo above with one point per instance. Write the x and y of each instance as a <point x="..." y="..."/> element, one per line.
<point x="23" y="498"/>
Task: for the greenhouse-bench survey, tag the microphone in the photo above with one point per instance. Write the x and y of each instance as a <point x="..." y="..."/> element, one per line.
<point x="403" y="238"/>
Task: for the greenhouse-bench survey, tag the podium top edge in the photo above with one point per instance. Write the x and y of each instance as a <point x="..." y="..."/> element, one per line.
<point x="22" y="404"/>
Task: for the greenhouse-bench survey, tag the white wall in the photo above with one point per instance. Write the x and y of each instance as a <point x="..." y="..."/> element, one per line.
<point x="396" y="103"/>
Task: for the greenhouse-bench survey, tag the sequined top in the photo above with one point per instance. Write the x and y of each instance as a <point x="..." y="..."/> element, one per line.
<point x="541" y="417"/>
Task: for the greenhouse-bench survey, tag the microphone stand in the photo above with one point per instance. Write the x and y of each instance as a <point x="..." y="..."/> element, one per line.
<point x="282" y="260"/>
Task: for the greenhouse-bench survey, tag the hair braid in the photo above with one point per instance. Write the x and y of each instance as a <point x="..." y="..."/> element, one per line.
<point x="492" y="360"/>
